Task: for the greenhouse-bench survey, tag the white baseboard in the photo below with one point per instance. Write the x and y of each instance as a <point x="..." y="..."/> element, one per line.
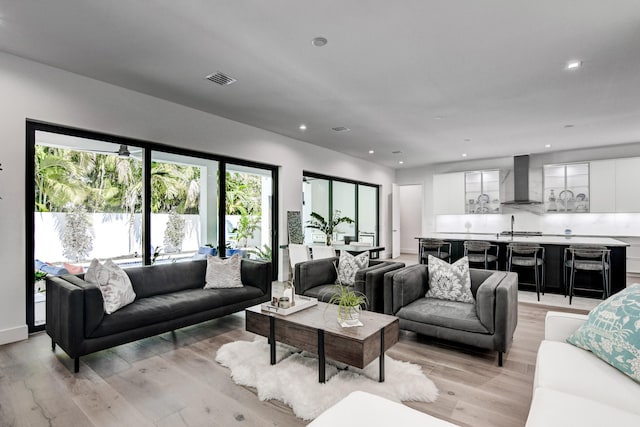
<point x="10" y="335"/>
<point x="412" y="251"/>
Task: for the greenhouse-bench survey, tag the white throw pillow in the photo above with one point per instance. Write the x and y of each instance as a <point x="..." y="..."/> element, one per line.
<point x="449" y="281"/>
<point x="114" y="283"/>
<point x="223" y="273"/>
<point x="348" y="266"/>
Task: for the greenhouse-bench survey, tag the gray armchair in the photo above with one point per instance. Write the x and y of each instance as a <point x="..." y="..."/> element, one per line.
<point x="317" y="278"/>
<point x="489" y="323"/>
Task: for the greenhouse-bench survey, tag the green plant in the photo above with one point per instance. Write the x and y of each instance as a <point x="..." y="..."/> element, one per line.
<point x="264" y="253"/>
<point x="349" y="302"/>
<point x="318" y="222"/>
<point x="39" y="275"/>
<point x="247" y="225"/>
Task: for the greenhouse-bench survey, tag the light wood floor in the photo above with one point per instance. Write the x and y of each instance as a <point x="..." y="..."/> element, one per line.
<point x="173" y="380"/>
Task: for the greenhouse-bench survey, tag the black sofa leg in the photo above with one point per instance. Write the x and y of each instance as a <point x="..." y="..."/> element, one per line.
<point x="499" y="358"/>
<point x="76" y="365"/>
<point x="53" y="345"/>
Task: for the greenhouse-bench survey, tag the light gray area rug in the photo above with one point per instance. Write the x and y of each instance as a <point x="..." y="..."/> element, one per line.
<point x="294" y="378"/>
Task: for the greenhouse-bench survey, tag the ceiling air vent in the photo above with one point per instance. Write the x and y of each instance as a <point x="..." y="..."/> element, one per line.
<point x="221" y="78"/>
<point x="341" y="129"/>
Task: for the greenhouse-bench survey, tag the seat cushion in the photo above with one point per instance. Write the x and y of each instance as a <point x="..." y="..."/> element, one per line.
<point x="147" y="311"/>
<point x="551" y="408"/>
<point x="475" y="258"/>
<point x="569" y="369"/>
<point x="449" y="314"/>
<point x="322" y="293"/>
<point x="526" y="261"/>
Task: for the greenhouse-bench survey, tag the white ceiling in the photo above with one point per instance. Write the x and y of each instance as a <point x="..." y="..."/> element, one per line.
<point x="490" y="70"/>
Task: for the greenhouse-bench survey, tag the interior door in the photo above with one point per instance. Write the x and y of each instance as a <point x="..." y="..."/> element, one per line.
<point x="395" y="221"/>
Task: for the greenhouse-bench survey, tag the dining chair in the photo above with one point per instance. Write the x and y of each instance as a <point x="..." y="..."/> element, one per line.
<point x="481" y="252"/>
<point x="319" y="252"/>
<point x="297" y="253"/>
<point x="587" y="258"/>
<point x="528" y="255"/>
<point x="436" y="247"/>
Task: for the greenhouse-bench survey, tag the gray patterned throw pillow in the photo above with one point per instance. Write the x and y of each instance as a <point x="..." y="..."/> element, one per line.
<point x="450" y="281"/>
<point x="114" y="283"/>
<point x="348" y="266"/>
<point x="223" y="273"/>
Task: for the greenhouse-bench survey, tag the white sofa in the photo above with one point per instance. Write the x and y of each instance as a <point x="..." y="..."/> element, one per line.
<point x="361" y="409"/>
<point x="573" y="387"/>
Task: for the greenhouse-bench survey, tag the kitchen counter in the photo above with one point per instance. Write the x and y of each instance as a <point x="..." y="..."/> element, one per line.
<point x="545" y="239"/>
<point x="555" y="246"/>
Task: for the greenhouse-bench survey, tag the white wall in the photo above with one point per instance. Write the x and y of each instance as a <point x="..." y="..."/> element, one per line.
<point x="410" y="217"/>
<point x="34" y="91"/>
<point x="528" y="218"/>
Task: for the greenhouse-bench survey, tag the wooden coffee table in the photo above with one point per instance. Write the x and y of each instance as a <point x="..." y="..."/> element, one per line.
<point x="316" y="330"/>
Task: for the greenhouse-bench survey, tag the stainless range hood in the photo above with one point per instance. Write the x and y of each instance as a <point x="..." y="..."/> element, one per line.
<point x="521" y="182"/>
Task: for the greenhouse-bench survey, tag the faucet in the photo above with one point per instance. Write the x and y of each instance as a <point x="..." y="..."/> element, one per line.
<point x="513" y="219"/>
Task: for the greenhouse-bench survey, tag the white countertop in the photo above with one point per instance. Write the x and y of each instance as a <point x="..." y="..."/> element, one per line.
<point x="542" y="240"/>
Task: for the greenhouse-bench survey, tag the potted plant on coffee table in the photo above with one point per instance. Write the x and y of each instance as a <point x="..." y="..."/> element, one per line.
<point x="350" y="302"/>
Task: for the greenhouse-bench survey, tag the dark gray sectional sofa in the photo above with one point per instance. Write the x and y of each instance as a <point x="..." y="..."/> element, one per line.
<point x="168" y="297"/>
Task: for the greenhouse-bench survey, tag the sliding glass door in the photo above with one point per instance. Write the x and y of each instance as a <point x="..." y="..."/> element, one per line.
<point x="328" y="196"/>
<point x="137" y="203"/>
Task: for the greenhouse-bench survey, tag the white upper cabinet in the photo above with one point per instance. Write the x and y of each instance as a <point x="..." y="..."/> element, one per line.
<point x="448" y="193"/>
<point x="566" y="187"/>
<point x="482" y="192"/>
<point x="615" y="185"/>
<point x="627" y="185"/>
<point x="603" y="186"/>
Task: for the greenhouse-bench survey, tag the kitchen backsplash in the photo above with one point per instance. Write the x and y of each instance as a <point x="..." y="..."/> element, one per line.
<point x="528" y="219"/>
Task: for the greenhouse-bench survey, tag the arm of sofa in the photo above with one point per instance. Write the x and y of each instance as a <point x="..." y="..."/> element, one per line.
<point x="309" y="274"/>
<point x="559" y="326"/>
<point x="403" y="286"/>
<point x="370" y="281"/>
<point x="486" y="295"/>
<point x="506" y="316"/>
<point x="65" y="315"/>
<point x="257" y="274"/>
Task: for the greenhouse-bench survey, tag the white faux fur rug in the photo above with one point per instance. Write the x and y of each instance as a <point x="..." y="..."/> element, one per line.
<point x="294" y="378"/>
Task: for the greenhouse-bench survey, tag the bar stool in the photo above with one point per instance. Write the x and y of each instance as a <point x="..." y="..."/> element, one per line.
<point x="587" y="258"/>
<point x="481" y="252"/>
<point x="435" y="247"/>
<point x="527" y="255"/>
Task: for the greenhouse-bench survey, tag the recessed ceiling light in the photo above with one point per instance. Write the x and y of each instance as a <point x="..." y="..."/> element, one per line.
<point x="319" y="41"/>
<point x="401" y="162"/>
<point x="547" y="146"/>
<point x="302" y="127"/>
<point x="437" y="118"/>
<point x="568" y="126"/>
<point x="371" y="151"/>
<point x="464" y="154"/>
<point x="573" y="65"/>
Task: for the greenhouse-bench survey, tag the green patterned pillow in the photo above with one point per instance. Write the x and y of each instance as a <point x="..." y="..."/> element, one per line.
<point x="612" y="331"/>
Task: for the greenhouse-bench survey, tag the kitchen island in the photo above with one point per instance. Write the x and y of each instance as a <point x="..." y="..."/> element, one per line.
<point x="555" y="246"/>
